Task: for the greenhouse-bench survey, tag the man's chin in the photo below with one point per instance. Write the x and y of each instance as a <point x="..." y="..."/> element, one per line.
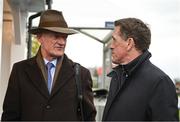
<point x="115" y="63"/>
<point x="57" y="55"/>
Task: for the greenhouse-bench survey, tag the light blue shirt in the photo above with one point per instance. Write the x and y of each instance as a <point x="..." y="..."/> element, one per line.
<point x="54" y="62"/>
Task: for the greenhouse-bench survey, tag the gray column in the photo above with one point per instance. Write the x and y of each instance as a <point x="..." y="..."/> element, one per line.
<point x="1" y="21"/>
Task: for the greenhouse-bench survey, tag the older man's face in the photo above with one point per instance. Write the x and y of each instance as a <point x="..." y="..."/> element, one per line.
<point x="52" y="44"/>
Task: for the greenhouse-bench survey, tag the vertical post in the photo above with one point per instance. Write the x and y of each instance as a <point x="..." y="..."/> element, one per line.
<point x="29" y="45"/>
<point x="104" y="67"/>
<point x="1" y="22"/>
<point x="49" y="2"/>
<point x="1" y="81"/>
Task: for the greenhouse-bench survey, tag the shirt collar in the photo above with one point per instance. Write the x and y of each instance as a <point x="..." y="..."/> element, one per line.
<point x="54" y="62"/>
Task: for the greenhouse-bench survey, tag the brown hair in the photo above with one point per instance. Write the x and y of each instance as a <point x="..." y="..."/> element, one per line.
<point x="136" y="29"/>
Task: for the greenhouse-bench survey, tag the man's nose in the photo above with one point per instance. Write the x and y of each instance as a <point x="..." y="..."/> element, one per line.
<point x="110" y="45"/>
<point x="61" y="40"/>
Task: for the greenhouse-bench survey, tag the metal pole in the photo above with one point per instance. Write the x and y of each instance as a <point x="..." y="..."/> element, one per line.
<point x="29" y="45"/>
<point x="104" y="66"/>
<point x="49" y="2"/>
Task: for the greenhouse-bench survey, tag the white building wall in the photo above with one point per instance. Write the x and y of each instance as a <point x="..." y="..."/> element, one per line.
<point x="13" y="46"/>
<point x="19" y="45"/>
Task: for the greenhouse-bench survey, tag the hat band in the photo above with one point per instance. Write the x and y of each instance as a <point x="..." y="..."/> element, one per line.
<point x="53" y="24"/>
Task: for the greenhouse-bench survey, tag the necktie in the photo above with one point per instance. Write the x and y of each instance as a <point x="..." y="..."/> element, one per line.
<point x="49" y="83"/>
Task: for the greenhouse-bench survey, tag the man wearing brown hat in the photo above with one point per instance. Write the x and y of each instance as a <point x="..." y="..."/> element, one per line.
<point x="44" y="87"/>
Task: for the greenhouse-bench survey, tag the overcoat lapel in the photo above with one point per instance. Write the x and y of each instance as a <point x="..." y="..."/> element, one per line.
<point x="64" y="76"/>
<point x="41" y="65"/>
<point x="57" y="71"/>
<point x="37" y="78"/>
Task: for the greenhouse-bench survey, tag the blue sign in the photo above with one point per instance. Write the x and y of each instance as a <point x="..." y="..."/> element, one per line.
<point x="109" y="24"/>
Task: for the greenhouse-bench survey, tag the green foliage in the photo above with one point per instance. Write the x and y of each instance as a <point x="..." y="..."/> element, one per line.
<point x="35" y="46"/>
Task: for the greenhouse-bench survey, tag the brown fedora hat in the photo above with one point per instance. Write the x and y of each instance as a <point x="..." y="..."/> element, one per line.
<point x="52" y="20"/>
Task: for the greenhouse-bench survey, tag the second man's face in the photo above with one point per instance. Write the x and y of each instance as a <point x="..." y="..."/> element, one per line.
<point x="52" y="44"/>
<point x="118" y="47"/>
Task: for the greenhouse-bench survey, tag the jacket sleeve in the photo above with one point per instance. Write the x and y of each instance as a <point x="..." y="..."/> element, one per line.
<point x="11" y="110"/>
<point x="164" y="102"/>
<point x="88" y="103"/>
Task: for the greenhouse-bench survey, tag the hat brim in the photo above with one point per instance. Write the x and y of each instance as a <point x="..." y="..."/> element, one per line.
<point x="53" y="29"/>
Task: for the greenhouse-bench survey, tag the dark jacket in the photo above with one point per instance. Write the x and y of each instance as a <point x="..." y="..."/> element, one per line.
<point x="144" y="93"/>
<point x="27" y="96"/>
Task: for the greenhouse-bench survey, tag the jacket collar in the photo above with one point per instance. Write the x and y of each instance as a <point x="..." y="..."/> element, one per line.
<point x="132" y="66"/>
<point x="41" y="64"/>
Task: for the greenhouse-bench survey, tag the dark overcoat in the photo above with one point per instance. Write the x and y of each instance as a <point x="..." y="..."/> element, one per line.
<point x="144" y="93"/>
<point x="27" y="96"/>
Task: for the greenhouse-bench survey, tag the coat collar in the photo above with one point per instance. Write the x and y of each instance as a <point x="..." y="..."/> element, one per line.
<point x="64" y="75"/>
<point x="41" y="64"/>
<point x="132" y="66"/>
<point x="38" y="74"/>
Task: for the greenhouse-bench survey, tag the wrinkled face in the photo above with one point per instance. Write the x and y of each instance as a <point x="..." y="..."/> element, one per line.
<point x="119" y="47"/>
<point x="52" y="44"/>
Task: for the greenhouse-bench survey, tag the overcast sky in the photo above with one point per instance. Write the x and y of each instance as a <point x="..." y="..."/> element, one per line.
<point x="163" y="17"/>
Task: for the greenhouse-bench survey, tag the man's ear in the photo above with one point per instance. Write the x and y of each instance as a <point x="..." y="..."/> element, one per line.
<point x="130" y="43"/>
<point x="38" y="36"/>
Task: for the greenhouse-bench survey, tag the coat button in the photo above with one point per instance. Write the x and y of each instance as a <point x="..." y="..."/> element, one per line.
<point x="78" y="109"/>
<point x="48" y="107"/>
